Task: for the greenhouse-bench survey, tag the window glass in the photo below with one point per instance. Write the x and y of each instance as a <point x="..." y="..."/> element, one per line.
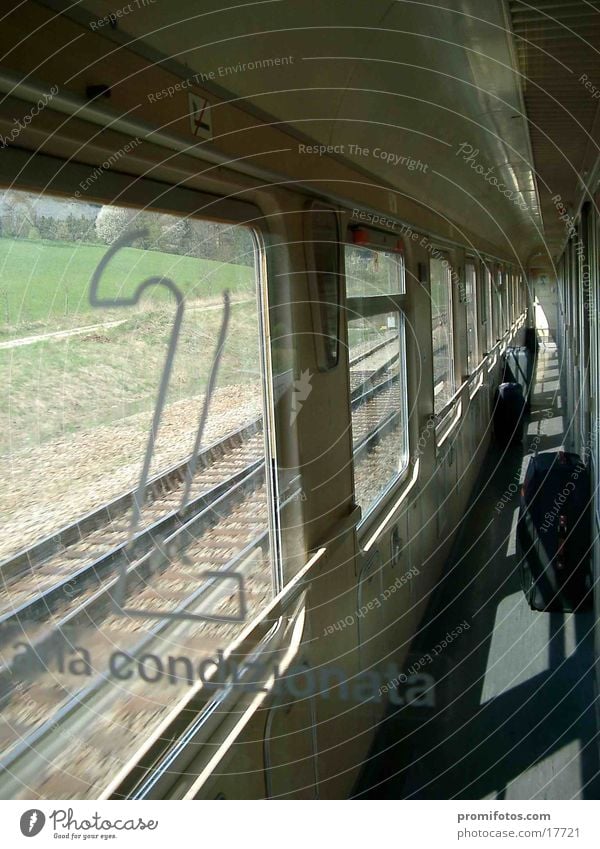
<point x="379" y="409"/>
<point x="520" y="294"/>
<point x="185" y="551"/>
<point x="370" y="272"/>
<point x="505" y="291"/>
<point x="442" y="333"/>
<point x="513" y="297"/>
<point x="376" y="342"/>
<point x="498" y="307"/>
<point x="471" y="295"/>
<point x="486" y="305"/>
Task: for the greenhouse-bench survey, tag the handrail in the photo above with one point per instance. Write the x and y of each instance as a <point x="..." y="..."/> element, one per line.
<point x="448" y="407"/>
<point x="246" y="642"/>
<point x="397" y="503"/>
<point x="494" y="352"/>
<point x="451" y="426"/>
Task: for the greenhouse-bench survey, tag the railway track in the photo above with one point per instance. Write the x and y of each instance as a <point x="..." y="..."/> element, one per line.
<point x="72" y="563"/>
<point x="52" y="564"/>
<point x="376" y="455"/>
<point x="63" y="587"/>
<point x="365" y="350"/>
<point x="62" y="563"/>
<point x="237" y="541"/>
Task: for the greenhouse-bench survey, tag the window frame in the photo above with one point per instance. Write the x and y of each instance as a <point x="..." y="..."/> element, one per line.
<point x="41" y="175"/>
<point x="497" y="305"/>
<point x="471" y="261"/>
<point x="318" y="305"/>
<point x="486" y="306"/>
<point x="506" y="298"/>
<point x="441" y="416"/>
<point x="367" y="306"/>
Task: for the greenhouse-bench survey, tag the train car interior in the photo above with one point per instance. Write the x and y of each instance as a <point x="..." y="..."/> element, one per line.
<point x="300" y="421"/>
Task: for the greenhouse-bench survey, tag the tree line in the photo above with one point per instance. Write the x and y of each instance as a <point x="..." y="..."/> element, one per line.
<point x="21" y="218"/>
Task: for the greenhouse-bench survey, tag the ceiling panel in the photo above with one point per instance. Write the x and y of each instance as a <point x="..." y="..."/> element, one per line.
<point x="558" y="50"/>
<point x="410" y="79"/>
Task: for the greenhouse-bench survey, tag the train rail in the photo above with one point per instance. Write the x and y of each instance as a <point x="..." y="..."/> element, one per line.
<point x="365" y="350"/>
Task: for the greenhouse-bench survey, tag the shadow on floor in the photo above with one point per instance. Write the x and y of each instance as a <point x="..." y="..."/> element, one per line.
<point x="513" y="714"/>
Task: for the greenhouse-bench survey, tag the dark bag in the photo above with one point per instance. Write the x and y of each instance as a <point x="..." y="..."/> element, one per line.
<point x="518" y="368"/>
<point x="531" y="342"/>
<point x="509" y="412"/>
<point x="553" y="533"/>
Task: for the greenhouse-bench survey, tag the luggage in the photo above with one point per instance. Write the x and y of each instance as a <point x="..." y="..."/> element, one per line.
<point x="553" y="533"/>
<point x="518" y="368"/>
<point x="509" y="414"/>
<point x="531" y="342"/>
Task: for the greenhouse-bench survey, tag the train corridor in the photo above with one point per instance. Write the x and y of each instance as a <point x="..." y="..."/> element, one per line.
<point x="510" y="712"/>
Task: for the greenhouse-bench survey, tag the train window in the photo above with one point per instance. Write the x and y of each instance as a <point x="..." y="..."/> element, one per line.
<point x="505" y="292"/>
<point x="371" y="272"/>
<point x="513" y="297"/>
<point x="486" y="310"/>
<point x="498" y="306"/>
<point x="471" y="296"/>
<point x="379" y="404"/>
<point x="520" y="294"/>
<point x="375" y="287"/>
<point x="442" y="332"/>
<point x="162" y="505"/>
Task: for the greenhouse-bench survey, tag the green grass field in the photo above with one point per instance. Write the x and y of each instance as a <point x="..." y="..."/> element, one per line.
<point x="44" y="285"/>
<point x="52" y="389"/>
<point x="103" y="377"/>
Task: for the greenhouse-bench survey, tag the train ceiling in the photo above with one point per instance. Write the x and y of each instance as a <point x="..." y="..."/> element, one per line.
<point x="455" y="103"/>
<point x="558" y="51"/>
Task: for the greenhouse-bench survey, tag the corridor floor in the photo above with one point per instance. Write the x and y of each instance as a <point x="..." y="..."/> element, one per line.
<point x="514" y="714"/>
